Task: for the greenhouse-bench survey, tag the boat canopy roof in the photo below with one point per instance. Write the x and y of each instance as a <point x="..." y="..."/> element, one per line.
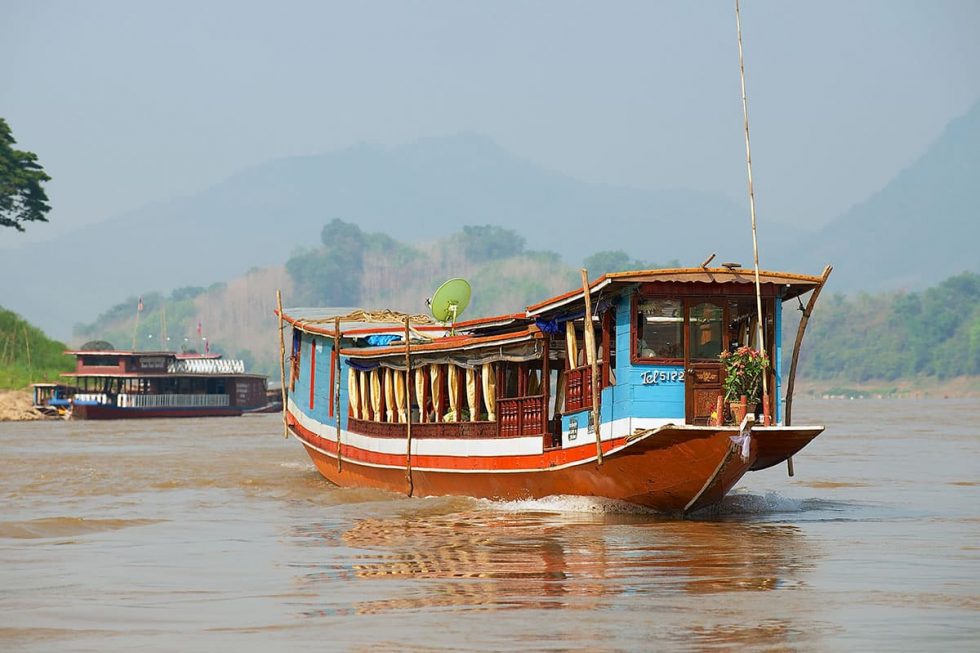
<point x="380" y="334"/>
<point x="793" y="284"/>
<point x="361" y="323"/>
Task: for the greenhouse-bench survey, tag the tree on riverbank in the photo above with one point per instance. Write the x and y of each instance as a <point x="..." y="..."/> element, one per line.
<point x="21" y="197"/>
<point x="890" y="336"/>
<point x="27" y="355"/>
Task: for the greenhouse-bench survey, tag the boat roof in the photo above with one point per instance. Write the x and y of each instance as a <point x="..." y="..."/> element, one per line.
<point x="133" y="352"/>
<point x="155" y="375"/>
<point x="795" y="284"/>
<point x="454" y="343"/>
<point x="320" y="321"/>
<point x="515" y="327"/>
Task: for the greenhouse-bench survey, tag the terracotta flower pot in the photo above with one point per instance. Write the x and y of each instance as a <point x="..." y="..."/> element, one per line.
<point x="737" y="410"/>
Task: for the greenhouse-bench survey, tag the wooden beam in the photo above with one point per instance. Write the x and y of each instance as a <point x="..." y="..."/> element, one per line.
<point x="791" y="381"/>
<point x="282" y="365"/>
<point x="408" y="412"/>
<point x="336" y="390"/>
<point x="591" y="356"/>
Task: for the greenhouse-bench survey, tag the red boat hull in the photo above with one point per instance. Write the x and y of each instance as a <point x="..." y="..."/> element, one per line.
<point x="102" y="411"/>
<point x="674" y="469"/>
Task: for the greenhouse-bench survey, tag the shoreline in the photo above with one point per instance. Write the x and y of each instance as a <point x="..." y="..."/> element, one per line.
<point x="917" y="388"/>
<point x="18" y="406"/>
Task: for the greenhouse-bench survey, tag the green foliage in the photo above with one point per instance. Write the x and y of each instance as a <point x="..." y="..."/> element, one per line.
<point x="331" y="275"/>
<point x="117" y="326"/>
<point x="889" y="336"/>
<point x="187" y="292"/>
<point x="743" y="374"/>
<point x="22" y="199"/>
<point x="617" y="260"/>
<point x="27" y="355"/>
<point x="489" y="243"/>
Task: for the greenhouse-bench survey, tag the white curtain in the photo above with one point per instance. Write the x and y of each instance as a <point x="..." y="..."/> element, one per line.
<point x="571" y="345"/>
<point x="452" y="389"/>
<point x="490" y="391"/>
<point x="400" y="388"/>
<point x="420" y="393"/>
<point x="376" y="394"/>
<point x="471" y="394"/>
<point x="589" y="341"/>
<point x="389" y="396"/>
<point x="435" y="376"/>
<point x="364" y="382"/>
<point x="353" y="396"/>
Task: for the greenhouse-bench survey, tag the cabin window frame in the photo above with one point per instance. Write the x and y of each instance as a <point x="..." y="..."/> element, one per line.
<point x="635" y="332"/>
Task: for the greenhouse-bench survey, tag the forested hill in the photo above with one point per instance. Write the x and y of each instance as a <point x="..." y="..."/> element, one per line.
<point x="886" y="336"/>
<point x="890" y="336"/>
<point x="347" y="267"/>
<point x="27" y="355"/>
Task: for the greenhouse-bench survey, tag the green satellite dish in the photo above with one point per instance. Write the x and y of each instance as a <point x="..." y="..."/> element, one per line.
<point x="450" y="300"/>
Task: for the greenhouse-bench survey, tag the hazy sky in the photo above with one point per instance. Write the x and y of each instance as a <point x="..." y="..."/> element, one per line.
<point x="128" y="103"/>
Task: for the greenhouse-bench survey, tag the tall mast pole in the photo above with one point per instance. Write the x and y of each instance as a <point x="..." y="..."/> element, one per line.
<point x="755" y="240"/>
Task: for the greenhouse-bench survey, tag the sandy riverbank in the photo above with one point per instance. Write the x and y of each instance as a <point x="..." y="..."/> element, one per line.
<point x="16" y="406"/>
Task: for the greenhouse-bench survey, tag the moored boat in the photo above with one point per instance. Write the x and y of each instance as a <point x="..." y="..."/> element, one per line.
<point x="525" y="405"/>
<point x="122" y="384"/>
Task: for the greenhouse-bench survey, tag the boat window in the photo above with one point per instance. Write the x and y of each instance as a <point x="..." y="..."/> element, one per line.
<point x="660" y="329"/>
<point x="100" y="361"/>
<point x="705" y="335"/>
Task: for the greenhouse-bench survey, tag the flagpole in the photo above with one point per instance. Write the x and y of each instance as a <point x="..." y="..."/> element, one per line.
<point x="136" y="324"/>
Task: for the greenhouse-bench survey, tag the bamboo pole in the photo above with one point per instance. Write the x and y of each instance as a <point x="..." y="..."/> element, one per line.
<point x="591" y="355"/>
<point x="336" y="390"/>
<point x="30" y="366"/>
<point x="755" y="240"/>
<point x="282" y="365"/>
<point x="408" y="414"/>
<point x="791" y="381"/>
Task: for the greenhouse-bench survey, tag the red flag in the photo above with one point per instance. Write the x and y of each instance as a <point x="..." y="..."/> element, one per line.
<point x="198" y="327"/>
<point x="207" y="346"/>
<point x="139" y="307"/>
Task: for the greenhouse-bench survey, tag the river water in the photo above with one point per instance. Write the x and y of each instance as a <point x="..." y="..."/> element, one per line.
<point x="213" y="534"/>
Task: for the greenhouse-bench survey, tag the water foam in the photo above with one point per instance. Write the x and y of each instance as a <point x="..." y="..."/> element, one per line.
<point x="566" y="503"/>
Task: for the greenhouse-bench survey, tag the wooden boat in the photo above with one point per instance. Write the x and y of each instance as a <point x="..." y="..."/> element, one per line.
<point x="113" y="384"/>
<point x="502" y="407"/>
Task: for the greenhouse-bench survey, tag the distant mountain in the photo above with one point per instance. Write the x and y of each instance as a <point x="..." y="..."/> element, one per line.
<point x="922" y="227"/>
<point x="415" y="193"/>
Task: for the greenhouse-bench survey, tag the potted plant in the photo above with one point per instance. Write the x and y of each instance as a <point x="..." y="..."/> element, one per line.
<point x="744" y="368"/>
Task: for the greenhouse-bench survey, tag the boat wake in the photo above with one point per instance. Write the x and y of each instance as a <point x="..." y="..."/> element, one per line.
<point x="569" y="504"/>
<point x="741" y="504"/>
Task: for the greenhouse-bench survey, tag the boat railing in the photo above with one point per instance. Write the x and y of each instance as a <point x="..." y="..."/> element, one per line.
<point x="578" y="395"/>
<point x="424" y="430"/>
<point x="170" y="401"/>
<point x="517" y="416"/>
<point x="91" y="398"/>
<point x="206" y="366"/>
